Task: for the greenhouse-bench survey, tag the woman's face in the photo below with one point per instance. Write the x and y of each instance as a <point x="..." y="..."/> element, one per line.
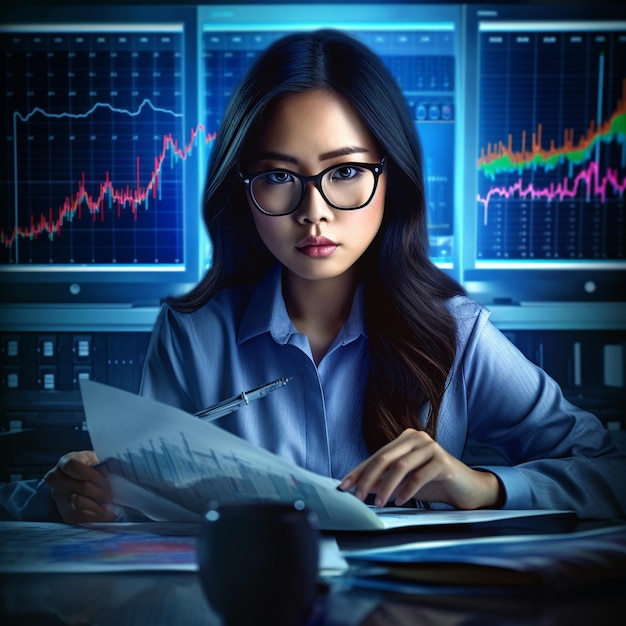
<point x="307" y="133"/>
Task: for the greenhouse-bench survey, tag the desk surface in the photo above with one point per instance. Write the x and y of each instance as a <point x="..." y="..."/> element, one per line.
<point x="177" y="598"/>
<point x="121" y="598"/>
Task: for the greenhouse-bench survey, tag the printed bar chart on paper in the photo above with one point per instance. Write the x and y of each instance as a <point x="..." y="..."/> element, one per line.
<point x="551" y="171"/>
<point x="173" y="466"/>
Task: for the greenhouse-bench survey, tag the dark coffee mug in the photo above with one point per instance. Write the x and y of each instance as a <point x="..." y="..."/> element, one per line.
<point x="258" y="563"/>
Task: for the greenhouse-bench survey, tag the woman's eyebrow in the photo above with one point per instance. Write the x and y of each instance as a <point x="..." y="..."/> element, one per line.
<point x="271" y="155"/>
<point x="332" y="154"/>
<point x="339" y="152"/>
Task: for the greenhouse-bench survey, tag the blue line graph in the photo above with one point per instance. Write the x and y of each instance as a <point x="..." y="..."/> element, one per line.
<point x="95" y="175"/>
<point x="94" y="108"/>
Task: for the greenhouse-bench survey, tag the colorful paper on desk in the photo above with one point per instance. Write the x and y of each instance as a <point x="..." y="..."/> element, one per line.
<point x="47" y="547"/>
<point x="173" y="466"/>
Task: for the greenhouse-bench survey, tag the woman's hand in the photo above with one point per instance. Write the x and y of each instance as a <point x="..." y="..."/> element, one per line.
<point x="81" y="492"/>
<point x="416" y="466"/>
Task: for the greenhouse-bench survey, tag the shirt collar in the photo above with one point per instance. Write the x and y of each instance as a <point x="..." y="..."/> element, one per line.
<point x="267" y="313"/>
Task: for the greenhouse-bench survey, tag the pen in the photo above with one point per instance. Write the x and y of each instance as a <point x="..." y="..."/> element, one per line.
<point x="245" y="397"/>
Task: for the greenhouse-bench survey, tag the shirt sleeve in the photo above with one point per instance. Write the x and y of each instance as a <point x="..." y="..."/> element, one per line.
<point x="551" y="454"/>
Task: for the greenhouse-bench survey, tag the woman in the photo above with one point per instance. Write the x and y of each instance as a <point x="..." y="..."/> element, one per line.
<point x="315" y="206"/>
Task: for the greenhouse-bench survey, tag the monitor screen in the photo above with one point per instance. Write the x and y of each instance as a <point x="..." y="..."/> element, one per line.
<point x="418" y="43"/>
<point x="98" y="168"/>
<point x="110" y="113"/>
<point x="549" y="161"/>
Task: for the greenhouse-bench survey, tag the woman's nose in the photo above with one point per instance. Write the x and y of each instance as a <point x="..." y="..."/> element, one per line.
<point x="313" y="208"/>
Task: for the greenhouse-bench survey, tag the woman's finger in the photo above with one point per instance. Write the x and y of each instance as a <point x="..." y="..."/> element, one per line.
<point x="406" y="475"/>
<point x="402" y="453"/>
<point x="80" y="491"/>
<point x="89" y="510"/>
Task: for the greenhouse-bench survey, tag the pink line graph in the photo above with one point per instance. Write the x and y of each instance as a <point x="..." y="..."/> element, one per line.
<point x="597" y="185"/>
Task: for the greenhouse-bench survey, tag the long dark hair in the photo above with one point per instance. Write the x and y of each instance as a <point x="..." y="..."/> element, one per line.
<point x="412" y="336"/>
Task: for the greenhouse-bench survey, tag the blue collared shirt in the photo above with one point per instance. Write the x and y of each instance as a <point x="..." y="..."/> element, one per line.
<point x="240" y="341"/>
<point x="500" y="412"/>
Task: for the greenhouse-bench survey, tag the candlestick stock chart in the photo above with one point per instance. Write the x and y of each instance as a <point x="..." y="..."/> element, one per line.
<point x="94" y="163"/>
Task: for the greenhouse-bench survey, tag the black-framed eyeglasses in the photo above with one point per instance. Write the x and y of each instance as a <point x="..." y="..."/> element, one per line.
<point x="346" y="186"/>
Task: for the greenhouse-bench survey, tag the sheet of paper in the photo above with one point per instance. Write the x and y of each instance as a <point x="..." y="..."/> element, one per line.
<point x="28" y="547"/>
<point x="562" y="561"/>
<point x="47" y="547"/>
<point x="405" y="517"/>
<point x="453" y="549"/>
<point x="173" y="466"/>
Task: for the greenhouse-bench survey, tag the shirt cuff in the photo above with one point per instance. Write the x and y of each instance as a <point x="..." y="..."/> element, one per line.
<point x="517" y="495"/>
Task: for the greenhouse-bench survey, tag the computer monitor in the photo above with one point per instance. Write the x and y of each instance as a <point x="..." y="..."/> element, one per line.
<point x="98" y="174"/>
<point x="110" y="117"/>
<point x="110" y="113"/>
<point x="420" y="45"/>
<point x="546" y="128"/>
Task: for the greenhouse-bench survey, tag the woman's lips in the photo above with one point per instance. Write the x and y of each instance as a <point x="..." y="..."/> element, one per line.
<point x="317" y="247"/>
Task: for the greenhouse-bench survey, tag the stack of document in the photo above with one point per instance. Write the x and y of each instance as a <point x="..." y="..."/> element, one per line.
<point x="558" y="562"/>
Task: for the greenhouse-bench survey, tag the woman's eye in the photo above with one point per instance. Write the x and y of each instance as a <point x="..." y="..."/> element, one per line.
<point x="345" y="173"/>
<point x="278" y="178"/>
